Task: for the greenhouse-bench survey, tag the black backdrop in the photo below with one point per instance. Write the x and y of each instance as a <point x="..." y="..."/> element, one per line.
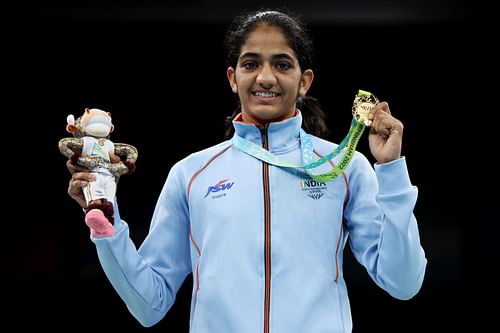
<point x="163" y="78"/>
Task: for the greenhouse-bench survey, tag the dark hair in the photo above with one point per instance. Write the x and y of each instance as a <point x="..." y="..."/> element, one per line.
<point x="297" y="35"/>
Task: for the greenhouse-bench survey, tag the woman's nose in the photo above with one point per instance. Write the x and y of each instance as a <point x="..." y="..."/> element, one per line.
<point x="266" y="76"/>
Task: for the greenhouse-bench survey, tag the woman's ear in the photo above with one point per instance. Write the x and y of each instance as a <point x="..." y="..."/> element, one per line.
<point x="231" y="76"/>
<point x="305" y="82"/>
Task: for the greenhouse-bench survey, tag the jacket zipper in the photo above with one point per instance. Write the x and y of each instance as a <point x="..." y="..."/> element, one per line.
<point x="267" y="238"/>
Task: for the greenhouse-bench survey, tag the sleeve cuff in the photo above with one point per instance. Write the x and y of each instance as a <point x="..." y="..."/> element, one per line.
<point x="392" y="176"/>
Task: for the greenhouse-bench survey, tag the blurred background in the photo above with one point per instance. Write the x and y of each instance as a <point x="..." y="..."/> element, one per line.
<point x="159" y="68"/>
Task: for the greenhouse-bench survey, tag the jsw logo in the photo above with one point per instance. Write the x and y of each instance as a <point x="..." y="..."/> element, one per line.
<point x="220" y="186"/>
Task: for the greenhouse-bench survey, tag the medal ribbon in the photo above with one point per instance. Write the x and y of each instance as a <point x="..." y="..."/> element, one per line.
<point x="348" y="144"/>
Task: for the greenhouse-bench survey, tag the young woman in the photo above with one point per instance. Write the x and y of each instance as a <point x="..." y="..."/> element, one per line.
<point x="264" y="242"/>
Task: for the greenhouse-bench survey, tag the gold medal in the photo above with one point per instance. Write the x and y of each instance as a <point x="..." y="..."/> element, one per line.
<point x="363" y="104"/>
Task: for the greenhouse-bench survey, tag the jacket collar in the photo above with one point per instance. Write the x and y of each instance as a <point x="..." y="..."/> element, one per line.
<point x="282" y="136"/>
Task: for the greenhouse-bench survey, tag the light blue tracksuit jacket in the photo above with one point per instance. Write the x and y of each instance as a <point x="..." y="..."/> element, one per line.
<point x="264" y="246"/>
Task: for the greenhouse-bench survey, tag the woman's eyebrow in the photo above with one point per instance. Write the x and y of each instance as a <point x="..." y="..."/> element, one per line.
<point x="274" y="56"/>
<point x="250" y="55"/>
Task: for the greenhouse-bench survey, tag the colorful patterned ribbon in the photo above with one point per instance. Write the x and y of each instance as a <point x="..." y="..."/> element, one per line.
<point x="348" y="144"/>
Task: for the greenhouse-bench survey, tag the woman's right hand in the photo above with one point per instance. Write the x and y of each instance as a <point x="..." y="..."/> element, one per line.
<point x="80" y="177"/>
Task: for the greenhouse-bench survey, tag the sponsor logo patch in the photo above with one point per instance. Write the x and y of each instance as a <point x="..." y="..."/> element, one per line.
<point x="221" y="187"/>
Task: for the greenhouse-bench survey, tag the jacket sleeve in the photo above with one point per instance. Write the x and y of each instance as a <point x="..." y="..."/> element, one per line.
<point x="148" y="279"/>
<point x="383" y="229"/>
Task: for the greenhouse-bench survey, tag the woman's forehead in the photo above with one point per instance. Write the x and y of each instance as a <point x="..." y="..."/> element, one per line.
<point x="267" y="40"/>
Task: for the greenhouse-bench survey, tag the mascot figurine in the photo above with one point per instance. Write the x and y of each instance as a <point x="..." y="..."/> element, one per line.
<point x="91" y="148"/>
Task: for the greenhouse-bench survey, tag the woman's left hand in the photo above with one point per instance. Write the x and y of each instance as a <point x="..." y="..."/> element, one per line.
<point x="386" y="134"/>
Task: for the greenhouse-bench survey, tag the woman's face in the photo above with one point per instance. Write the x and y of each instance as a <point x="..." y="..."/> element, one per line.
<point x="267" y="77"/>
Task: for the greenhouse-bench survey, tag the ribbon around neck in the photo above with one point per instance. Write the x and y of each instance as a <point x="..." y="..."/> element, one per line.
<point x="348" y="145"/>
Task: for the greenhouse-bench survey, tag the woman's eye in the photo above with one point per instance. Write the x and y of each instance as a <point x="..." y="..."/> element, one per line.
<point x="249" y="65"/>
<point x="283" y="65"/>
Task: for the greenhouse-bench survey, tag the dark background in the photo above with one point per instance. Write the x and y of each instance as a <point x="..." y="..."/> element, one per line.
<point x="159" y="68"/>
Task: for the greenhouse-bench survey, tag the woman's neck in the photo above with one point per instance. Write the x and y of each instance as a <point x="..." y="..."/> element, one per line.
<point x="246" y="118"/>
